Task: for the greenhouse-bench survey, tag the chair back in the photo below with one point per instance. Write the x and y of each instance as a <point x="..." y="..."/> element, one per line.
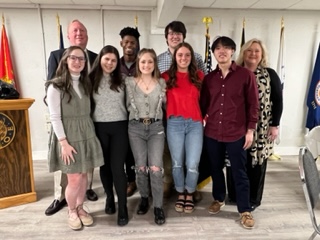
<point x="311" y="184"/>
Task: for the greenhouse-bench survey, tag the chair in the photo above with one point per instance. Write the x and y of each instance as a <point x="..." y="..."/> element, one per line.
<point x="311" y="185"/>
<point x="312" y="141"/>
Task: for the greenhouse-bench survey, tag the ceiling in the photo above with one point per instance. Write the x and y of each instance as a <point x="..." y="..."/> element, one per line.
<point x="164" y="8"/>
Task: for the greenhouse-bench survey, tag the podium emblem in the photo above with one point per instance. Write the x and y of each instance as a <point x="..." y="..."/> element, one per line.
<point x="7" y="130"/>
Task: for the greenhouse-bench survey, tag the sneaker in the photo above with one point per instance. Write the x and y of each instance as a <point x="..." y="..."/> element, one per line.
<point x="74" y="220"/>
<point x="246" y="220"/>
<point x="215" y="207"/>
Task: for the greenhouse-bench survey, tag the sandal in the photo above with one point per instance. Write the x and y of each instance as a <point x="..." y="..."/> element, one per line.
<point x="189" y="203"/>
<point x="180" y="203"/>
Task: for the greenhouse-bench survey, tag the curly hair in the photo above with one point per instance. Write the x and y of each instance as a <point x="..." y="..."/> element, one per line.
<point x="192" y="68"/>
<point x="129" y="31"/>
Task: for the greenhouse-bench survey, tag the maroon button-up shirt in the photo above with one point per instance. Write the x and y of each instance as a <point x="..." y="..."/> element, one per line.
<point x="231" y="103"/>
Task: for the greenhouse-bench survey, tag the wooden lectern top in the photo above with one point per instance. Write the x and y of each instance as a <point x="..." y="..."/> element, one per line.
<point x="16" y="104"/>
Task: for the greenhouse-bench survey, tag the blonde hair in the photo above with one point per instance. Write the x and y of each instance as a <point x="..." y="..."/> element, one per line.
<point x="156" y="71"/>
<point x="247" y="45"/>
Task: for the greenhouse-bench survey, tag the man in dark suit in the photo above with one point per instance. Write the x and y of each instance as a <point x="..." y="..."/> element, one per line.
<point x="77" y="35"/>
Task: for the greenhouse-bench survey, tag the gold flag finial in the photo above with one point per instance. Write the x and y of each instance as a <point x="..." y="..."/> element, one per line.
<point x="282" y="22"/>
<point x="207" y="20"/>
<point x="244" y="23"/>
<point x="2" y="19"/>
<point x="136" y="21"/>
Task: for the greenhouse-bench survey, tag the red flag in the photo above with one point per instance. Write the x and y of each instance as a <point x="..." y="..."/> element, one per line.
<point x="6" y="70"/>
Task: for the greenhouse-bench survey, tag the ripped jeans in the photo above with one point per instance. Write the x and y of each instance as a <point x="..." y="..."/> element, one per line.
<point x="147" y="144"/>
<point x="185" y="138"/>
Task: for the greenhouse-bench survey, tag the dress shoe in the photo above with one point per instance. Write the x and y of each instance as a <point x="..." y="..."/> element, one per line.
<point x="159" y="217"/>
<point x="123" y="216"/>
<point x="131" y="188"/>
<point x="143" y="206"/>
<point x="91" y="195"/>
<point x="197" y="196"/>
<point x="110" y="206"/>
<point x="55" y="206"/>
<point x="167" y="187"/>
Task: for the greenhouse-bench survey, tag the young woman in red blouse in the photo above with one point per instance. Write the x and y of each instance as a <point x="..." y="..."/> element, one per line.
<point x="184" y="123"/>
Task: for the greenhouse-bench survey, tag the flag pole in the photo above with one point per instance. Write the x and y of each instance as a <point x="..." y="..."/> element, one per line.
<point x="207" y="21"/>
<point x="280" y="70"/>
<point x="243" y="40"/>
<point x="136" y="21"/>
<point x="2" y="19"/>
<point x="58" y="26"/>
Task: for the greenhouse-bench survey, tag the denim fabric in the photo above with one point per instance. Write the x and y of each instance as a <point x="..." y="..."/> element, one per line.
<point x="185" y="138"/>
<point x="147" y="144"/>
<point x="238" y="158"/>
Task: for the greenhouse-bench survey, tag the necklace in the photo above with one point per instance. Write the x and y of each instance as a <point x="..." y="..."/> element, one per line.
<point x="146" y="85"/>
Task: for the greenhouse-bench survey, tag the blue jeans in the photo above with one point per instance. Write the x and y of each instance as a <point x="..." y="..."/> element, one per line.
<point x="147" y="143"/>
<point x="185" y="138"/>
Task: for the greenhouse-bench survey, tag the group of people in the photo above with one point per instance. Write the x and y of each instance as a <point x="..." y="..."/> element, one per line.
<point x="155" y="116"/>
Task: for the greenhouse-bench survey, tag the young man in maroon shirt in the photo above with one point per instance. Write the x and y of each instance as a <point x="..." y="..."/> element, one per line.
<point x="229" y="100"/>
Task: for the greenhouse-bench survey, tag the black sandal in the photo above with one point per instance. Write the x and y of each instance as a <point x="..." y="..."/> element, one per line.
<point x="180" y="203"/>
<point x="189" y="204"/>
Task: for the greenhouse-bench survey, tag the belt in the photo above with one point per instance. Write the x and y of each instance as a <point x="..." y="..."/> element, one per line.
<point x="147" y="121"/>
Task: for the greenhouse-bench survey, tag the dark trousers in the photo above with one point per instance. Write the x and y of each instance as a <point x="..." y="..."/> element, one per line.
<point x="130" y="163"/>
<point x="256" y="175"/>
<point x="238" y="159"/>
<point x="114" y="141"/>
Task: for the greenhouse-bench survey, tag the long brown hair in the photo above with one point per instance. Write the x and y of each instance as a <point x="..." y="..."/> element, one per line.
<point x="192" y="68"/>
<point x="97" y="72"/>
<point x="63" y="79"/>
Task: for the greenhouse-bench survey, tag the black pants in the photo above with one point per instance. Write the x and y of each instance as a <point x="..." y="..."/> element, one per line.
<point x="131" y="174"/>
<point x="238" y="159"/>
<point x="114" y="141"/>
<point x="256" y="177"/>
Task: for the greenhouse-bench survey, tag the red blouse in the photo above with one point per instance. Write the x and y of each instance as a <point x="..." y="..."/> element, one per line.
<point x="183" y="100"/>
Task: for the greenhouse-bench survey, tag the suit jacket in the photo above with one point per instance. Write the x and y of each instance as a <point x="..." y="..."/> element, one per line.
<point x="55" y="57"/>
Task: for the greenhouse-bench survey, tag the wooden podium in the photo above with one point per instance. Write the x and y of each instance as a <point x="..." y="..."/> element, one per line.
<point x="16" y="168"/>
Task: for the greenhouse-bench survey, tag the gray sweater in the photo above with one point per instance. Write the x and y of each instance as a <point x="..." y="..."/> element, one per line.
<point x="141" y="105"/>
<point x="110" y="104"/>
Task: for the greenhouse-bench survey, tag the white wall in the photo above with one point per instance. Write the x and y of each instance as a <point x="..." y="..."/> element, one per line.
<point x="30" y="52"/>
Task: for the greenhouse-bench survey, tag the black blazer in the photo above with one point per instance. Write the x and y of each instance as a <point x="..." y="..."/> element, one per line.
<point x="55" y="57"/>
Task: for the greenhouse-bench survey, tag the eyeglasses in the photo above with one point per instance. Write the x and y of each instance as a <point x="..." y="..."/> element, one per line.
<point x="75" y="58"/>
<point x="178" y="34"/>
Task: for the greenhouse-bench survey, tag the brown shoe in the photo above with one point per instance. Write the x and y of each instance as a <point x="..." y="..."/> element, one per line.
<point x="197" y="196"/>
<point x="131" y="188"/>
<point x="246" y="220"/>
<point x="167" y="187"/>
<point x="215" y="207"/>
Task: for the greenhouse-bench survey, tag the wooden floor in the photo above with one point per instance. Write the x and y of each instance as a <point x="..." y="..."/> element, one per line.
<point x="282" y="215"/>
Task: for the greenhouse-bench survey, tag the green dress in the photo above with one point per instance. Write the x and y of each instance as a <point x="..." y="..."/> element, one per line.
<point x="80" y="133"/>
